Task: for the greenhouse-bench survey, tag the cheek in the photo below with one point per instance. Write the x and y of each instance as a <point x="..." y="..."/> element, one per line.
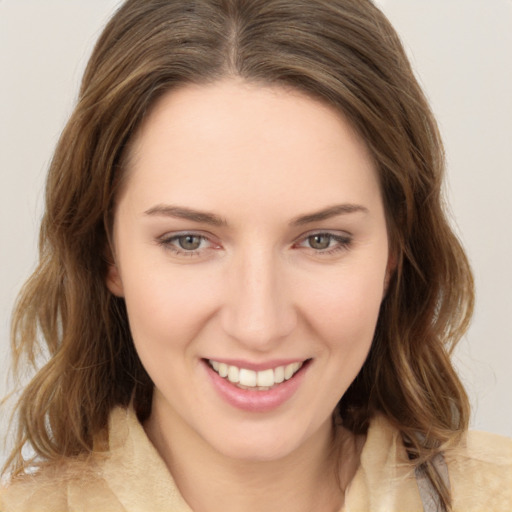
<point x="167" y="309"/>
<point x="344" y="309"/>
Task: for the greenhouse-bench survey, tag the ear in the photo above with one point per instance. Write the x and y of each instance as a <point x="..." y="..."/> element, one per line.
<point x="113" y="280"/>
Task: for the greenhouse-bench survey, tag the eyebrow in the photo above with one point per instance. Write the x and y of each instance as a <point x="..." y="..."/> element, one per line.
<point x="327" y="213"/>
<point x="181" y="212"/>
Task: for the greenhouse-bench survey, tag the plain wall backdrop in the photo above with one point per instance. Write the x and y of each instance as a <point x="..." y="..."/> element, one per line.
<point x="462" y="53"/>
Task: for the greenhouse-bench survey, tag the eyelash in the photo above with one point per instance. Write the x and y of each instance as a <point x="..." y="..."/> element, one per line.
<point x="167" y="242"/>
<point x="343" y="242"/>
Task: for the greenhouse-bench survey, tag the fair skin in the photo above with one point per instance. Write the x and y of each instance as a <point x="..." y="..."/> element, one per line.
<point x="250" y="233"/>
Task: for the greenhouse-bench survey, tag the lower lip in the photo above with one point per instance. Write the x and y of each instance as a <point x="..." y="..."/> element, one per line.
<point x="252" y="400"/>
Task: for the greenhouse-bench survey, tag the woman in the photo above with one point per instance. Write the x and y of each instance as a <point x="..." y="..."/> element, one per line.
<point x="247" y="285"/>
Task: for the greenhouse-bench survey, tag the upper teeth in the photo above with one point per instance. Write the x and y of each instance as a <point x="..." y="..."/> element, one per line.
<point x="253" y="379"/>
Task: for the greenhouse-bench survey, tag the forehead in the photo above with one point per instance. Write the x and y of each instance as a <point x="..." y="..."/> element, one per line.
<point x="233" y="143"/>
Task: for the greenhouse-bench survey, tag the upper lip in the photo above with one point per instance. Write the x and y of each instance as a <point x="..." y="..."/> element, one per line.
<point x="251" y="365"/>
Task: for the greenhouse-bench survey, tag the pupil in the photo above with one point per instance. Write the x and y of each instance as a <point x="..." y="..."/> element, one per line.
<point x="320" y="241"/>
<point x="189" y="242"/>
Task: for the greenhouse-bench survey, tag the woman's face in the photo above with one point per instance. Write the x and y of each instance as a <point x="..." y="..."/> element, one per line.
<point x="250" y="240"/>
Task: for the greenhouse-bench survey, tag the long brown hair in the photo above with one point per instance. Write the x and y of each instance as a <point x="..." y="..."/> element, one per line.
<point x="342" y="52"/>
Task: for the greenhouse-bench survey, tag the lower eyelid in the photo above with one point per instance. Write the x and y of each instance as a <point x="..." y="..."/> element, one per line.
<point x="170" y="242"/>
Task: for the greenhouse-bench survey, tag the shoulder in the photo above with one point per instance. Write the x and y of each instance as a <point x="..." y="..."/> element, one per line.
<point x="480" y="471"/>
<point x="130" y="475"/>
<point x="58" y="487"/>
<point x="27" y="492"/>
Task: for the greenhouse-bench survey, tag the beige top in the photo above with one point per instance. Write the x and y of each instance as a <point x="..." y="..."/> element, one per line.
<point x="132" y="477"/>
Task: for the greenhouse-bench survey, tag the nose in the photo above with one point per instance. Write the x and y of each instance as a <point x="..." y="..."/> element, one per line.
<point x="258" y="310"/>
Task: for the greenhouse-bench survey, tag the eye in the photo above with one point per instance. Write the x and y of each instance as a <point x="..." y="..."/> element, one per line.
<point x="186" y="244"/>
<point x="325" y="243"/>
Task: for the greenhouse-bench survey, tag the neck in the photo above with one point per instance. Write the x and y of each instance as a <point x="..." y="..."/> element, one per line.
<point x="313" y="477"/>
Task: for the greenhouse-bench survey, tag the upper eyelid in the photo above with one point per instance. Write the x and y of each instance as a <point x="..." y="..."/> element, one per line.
<point x="338" y="243"/>
<point x="207" y="235"/>
<point x="335" y="233"/>
<point x="170" y="238"/>
<point x="168" y="242"/>
<point x="177" y="234"/>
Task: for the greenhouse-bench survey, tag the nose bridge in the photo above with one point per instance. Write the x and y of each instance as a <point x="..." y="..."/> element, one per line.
<point x="259" y="308"/>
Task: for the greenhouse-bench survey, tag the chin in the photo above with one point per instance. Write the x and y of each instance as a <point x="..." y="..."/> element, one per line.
<point x="260" y="444"/>
<point x="254" y="450"/>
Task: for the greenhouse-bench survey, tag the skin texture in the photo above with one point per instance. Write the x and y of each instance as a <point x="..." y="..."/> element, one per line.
<point x="256" y="289"/>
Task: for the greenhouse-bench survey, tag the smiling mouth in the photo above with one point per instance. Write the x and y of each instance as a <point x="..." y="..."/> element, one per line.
<point x="263" y="380"/>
